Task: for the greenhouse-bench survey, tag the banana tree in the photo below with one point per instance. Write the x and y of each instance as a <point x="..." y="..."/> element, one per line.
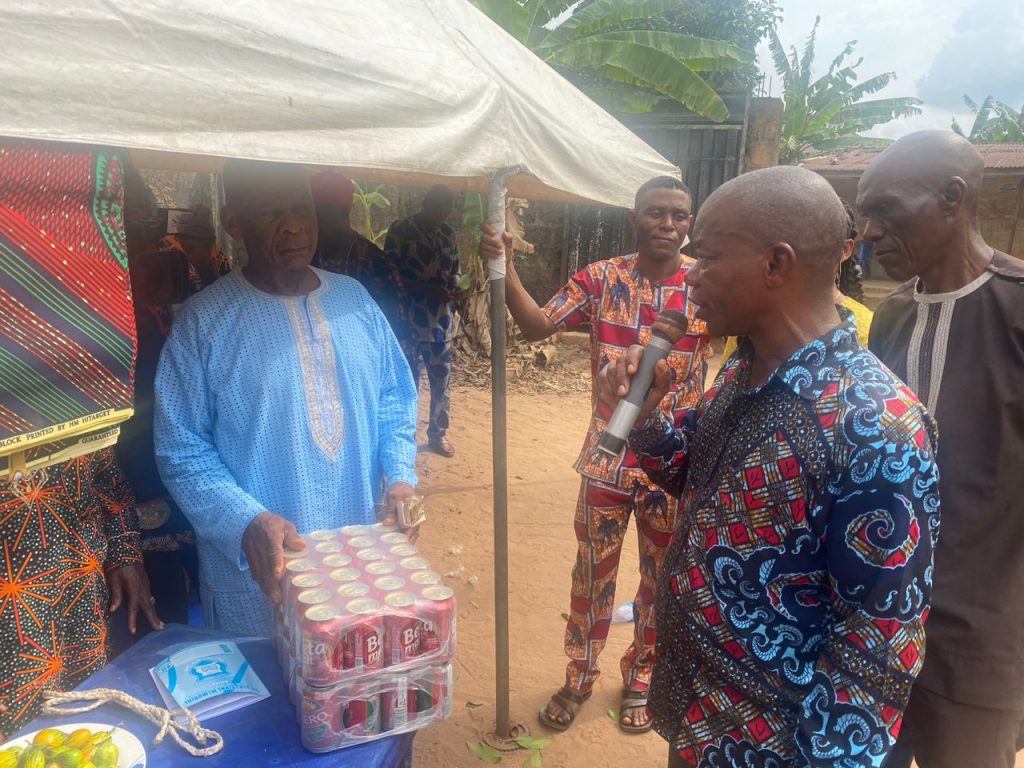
<point x="621" y="53"/>
<point x="994" y="122"/>
<point x="830" y="112"/>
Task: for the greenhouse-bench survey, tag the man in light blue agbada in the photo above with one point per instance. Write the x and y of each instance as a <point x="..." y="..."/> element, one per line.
<point x="283" y="401"/>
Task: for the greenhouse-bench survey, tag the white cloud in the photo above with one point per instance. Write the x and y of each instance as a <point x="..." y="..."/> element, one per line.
<point x="901" y="36"/>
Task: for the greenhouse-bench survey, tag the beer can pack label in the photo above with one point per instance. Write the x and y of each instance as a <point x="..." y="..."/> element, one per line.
<point x="363" y="641"/>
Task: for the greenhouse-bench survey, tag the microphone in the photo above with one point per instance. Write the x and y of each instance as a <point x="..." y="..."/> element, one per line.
<point x="669" y="327"/>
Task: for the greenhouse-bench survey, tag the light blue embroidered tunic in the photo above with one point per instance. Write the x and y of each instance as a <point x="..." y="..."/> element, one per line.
<point x="296" y="405"/>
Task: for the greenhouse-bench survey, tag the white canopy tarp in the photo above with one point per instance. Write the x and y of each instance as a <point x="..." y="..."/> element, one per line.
<point x="417" y="91"/>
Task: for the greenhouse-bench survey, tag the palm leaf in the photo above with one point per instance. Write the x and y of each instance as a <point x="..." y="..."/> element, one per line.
<point x="510" y="15"/>
<point x="604" y="15"/>
<point x="650" y="68"/>
<point x="807" y="62"/>
<point x="838" y="60"/>
<point x="620" y="97"/>
<point x="871" y="85"/>
<point x="782" y="68"/>
<point x="543" y="11"/>
<point x="700" y="54"/>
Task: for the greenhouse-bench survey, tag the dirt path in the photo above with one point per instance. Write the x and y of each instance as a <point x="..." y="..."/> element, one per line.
<point x="545" y="434"/>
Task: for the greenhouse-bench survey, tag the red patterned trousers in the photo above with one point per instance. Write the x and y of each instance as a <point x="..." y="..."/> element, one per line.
<point x="602" y="517"/>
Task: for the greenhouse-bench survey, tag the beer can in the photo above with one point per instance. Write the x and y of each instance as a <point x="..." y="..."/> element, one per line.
<point x="351" y="590"/>
<point x="294" y="584"/>
<point x="361" y="710"/>
<point x="380" y="568"/>
<point x="430" y="689"/>
<point x="414" y="564"/>
<point x="425" y="578"/>
<point x="332" y="547"/>
<point x="299" y="565"/>
<point x="351" y="531"/>
<point x="369" y="555"/>
<point x="391" y="538"/>
<point x="437" y="609"/>
<point x="294" y="554"/>
<point x="322" y="535"/>
<point x="402" y="628"/>
<point x="402" y="551"/>
<point x="387" y="584"/>
<point x="320" y="653"/>
<point x="336" y="561"/>
<point x="394" y="704"/>
<point x="344" y="575"/>
<point x="363" y="635"/>
<point x="356" y="543"/>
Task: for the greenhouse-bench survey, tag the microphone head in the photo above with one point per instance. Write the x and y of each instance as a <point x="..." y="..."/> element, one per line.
<point x="671" y="325"/>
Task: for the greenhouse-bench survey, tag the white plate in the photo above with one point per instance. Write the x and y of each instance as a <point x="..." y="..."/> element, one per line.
<point x="132" y="753"/>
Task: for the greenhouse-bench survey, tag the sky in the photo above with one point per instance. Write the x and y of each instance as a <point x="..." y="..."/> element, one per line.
<point x="939" y="50"/>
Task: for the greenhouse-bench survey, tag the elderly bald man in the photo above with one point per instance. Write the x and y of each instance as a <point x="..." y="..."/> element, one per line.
<point x="792" y="599"/>
<point x="955" y="333"/>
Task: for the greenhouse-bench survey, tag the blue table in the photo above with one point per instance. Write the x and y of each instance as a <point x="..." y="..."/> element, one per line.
<point x="262" y="734"/>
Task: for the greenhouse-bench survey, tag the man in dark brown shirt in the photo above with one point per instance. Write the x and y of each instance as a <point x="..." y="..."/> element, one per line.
<point x="955" y="333"/>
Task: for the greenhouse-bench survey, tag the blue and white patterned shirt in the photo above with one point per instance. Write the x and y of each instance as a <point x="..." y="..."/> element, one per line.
<point x="792" y="599"/>
<point x="298" y="405"/>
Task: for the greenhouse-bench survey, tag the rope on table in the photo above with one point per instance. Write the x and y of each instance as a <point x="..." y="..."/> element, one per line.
<point x="57" y="704"/>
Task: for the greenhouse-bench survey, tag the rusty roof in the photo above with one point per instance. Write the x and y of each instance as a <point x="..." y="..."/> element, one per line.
<point x="853" y="161"/>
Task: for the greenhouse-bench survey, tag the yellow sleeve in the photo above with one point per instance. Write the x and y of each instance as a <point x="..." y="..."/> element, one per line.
<point x="862" y="315"/>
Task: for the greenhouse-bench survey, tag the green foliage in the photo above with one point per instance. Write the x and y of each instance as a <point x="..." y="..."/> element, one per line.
<point x="533" y="742"/>
<point x="611" y="47"/>
<point x="533" y="761"/>
<point x="995" y="122"/>
<point x="366" y="201"/>
<point x="484" y="752"/>
<point x="831" y="110"/>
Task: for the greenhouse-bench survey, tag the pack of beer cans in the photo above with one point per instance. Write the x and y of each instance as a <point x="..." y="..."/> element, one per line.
<point x="365" y="634"/>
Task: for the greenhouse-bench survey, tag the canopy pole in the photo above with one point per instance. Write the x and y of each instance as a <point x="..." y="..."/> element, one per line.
<point x="499" y="459"/>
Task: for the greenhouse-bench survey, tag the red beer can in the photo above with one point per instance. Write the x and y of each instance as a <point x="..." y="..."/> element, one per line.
<point x="344" y="575"/>
<point x="369" y="555"/>
<point x="394" y="703"/>
<point x="336" y="561"/>
<point x="333" y="547"/>
<point x="380" y="568"/>
<point x="414" y="564"/>
<point x="425" y="578"/>
<point x="361" y="713"/>
<point x="385" y="585"/>
<point x="437" y="607"/>
<point x="322" y="535"/>
<point x="351" y="531"/>
<point x="356" y="543"/>
<point x="391" y="538"/>
<point x="363" y="635"/>
<point x="402" y="551"/>
<point x="402" y="628"/>
<point x="430" y="689"/>
<point x="299" y="565"/>
<point x="352" y="590"/>
<point x="320" y="629"/>
<point x="294" y="584"/>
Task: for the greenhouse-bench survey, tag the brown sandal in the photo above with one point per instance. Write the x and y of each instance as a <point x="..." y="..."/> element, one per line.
<point x="633" y="700"/>
<point x="570" y="702"/>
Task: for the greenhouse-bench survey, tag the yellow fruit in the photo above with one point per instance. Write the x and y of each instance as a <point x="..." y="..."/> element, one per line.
<point x="78" y="738"/>
<point x="106" y="754"/>
<point x="33" y="757"/>
<point x="67" y="757"/>
<point x="49" y="738"/>
<point x="8" y="759"/>
<point x="98" y="738"/>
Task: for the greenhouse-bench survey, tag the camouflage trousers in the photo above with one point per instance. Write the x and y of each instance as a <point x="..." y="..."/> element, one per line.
<point x="602" y="518"/>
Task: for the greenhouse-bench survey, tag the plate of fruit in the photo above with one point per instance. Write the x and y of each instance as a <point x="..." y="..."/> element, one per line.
<point x="79" y="745"/>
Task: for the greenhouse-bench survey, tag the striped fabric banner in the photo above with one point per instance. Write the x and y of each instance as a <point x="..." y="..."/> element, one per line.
<point x="67" y="332"/>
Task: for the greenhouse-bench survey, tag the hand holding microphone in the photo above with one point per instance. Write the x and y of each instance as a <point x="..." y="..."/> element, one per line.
<point x="631" y="377"/>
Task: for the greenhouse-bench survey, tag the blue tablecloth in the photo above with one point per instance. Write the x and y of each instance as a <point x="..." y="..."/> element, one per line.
<point x="262" y="734"/>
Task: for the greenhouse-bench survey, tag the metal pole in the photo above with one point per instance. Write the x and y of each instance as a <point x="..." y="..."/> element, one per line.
<point x="496" y="274"/>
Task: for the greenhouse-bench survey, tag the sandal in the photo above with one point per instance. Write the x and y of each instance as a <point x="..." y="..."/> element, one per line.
<point x="570" y="702"/>
<point x="631" y="701"/>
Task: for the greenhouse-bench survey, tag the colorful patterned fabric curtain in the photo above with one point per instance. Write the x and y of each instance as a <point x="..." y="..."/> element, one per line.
<point x="67" y="331"/>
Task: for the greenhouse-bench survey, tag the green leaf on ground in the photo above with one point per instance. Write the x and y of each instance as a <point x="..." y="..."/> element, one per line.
<point x="472" y="705"/>
<point x="533" y="761"/>
<point x="484" y="752"/>
<point x="613" y="715"/>
<point x="565" y="616"/>
<point x="533" y="742"/>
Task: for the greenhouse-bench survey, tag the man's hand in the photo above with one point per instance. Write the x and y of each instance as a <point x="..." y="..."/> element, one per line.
<point x="614" y="379"/>
<point x="400" y="493"/>
<point x="129" y="584"/>
<point x="263" y="543"/>
<point x="494" y="247"/>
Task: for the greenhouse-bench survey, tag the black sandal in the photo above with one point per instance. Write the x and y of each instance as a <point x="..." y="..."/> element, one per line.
<point x="570" y="702"/>
<point x="633" y="700"/>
